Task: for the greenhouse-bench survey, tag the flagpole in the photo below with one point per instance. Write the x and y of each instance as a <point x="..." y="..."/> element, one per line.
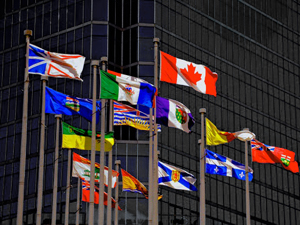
<point x="78" y="201"/>
<point x="202" y="168"/>
<point x="94" y="64"/>
<point x="117" y="163"/>
<point x="247" y="182"/>
<point x="68" y="188"/>
<point x="27" y="33"/>
<point x="41" y="160"/>
<point x="54" y="198"/>
<point x="150" y="178"/>
<point x="102" y="159"/>
<point x="155" y="161"/>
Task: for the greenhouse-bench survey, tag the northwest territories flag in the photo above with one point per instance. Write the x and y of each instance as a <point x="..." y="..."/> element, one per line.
<point x="54" y="64"/>
<point x="176" y="178"/>
<point x="171" y="113"/>
<point x="221" y="165"/>
<point x="59" y="103"/>
<point x="127" y="115"/>
<point x="122" y="87"/>
<point x="82" y="169"/>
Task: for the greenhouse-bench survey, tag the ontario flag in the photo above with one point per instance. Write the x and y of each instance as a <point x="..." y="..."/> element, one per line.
<point x="263" y="153"/>
<point x="179" y="71"/>
<point x="54" y="64"/>
<point x="86" y="195"/>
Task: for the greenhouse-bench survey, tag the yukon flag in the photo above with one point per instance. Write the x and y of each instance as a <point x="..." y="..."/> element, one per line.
<point x="54" y="64"/>
<point x="178" y="71"/>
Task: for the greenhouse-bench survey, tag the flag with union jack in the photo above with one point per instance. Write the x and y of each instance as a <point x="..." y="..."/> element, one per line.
<point x="54" y="64"/>
<point x="127" y="115"/>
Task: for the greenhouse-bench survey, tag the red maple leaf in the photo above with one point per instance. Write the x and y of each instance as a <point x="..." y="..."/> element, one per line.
<point x="190" y="74"/>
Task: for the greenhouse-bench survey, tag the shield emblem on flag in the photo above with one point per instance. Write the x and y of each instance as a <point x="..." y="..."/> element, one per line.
<point x="175" y="175"/>
<point x="73" y="104"/>
<point x="181" y="115"/>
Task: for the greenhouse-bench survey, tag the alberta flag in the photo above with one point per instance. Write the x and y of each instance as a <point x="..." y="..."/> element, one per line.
<point x="54" y="64"/>
<point x="59" y="103"/>
<point x="171" y="113"/>
<point x="179" y="71"/>
<point x="122" y="87"/>
<point x="176" y="178"/>
<point x="221" y="165"/>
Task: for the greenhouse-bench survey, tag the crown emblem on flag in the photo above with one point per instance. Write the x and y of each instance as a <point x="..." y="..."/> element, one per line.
<point x="73" y="104"/>
<point x="129" y="89"/>
<point x="175" y="175"/>
<point x="181" y="115"/>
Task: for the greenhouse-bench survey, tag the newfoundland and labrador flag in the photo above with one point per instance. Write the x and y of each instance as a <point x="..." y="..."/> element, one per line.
<point x="176" y="178"/>
<point x="86" y="188"/>
<point x="263" y="153"/>
<point x="122" y="87"/>
<point x="171" y="113"/>
<point x="73" y="137"/>
<point x="215" y="136"/>
<point x="82" y="169"/>
<point x="221" y="165"/>
<point x="131" y="184"/>
<point x="178" y="71"/>
<point x="127" y="115"/>
<point x="54" y="64"/>
<point x="59" y="103"/>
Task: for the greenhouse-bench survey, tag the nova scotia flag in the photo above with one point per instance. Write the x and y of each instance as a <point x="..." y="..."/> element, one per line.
<point x="221" y="165"/>
<point x="176" y="178"/>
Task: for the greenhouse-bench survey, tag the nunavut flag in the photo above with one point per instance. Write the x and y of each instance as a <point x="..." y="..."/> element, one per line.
<point x="215" y="136"/>
<point x="263" y="153"/>
<point x="178" y="71"/>
<point x="131" y="184"/>
<point x="54" y="64"/>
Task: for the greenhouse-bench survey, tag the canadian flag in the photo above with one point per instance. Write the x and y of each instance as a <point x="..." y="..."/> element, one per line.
<point x="178" y="71"/>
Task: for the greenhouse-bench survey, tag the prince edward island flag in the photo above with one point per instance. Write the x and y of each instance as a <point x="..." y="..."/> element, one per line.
<point x="221" y="165"/>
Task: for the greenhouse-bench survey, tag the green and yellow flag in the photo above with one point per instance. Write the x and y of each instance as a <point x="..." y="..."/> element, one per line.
<point x="82" y="139"/>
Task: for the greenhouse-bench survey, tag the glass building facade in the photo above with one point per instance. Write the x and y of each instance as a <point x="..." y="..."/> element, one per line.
<point x="252" y="45"/>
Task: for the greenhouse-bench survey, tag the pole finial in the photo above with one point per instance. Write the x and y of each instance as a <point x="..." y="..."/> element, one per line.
<point x="103" y="59"/>
<point x="246" y="129"/>
<point x="58" y="115"/>
<point x="156" y="40"/>
<point x="202" y="110"/>
<point x="28" y="32"/>
<point x="118" y="162"/>
<point x="95" y="63"/>
<point x="44" y="78"/>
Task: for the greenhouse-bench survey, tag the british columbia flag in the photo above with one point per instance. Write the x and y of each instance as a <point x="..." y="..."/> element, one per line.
<point x="54" y="64"/>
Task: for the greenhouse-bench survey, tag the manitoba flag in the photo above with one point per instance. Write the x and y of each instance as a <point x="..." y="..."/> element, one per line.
<point x="178" y="71"/>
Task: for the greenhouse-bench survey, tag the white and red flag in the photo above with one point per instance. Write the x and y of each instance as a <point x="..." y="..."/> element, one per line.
<point x="178" y="71"/>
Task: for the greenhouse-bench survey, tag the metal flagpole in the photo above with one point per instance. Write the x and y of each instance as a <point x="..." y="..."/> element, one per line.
<point x="117" y="163"/>
<point x="78" y="201"/>
<point x="27" y="33"/>
<point x="111" y="113"/>
<point x="41" y="160"/>
<point x="68" y="188"/>
<point x="155" y="154"/>
<point x="150" y="177"/>
<point x="202" y="168"/>
<point x="102" y="159"/>
<point x="54" y="199"/>
<point x="94" y="64"/>
<point x="247" y="182"/>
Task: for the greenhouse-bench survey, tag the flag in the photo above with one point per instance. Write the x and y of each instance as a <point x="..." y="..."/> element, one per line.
<point x="59" y="103"/>
<point x="178" y="71"/>
<point x="176" y="178"/>
<point x="215" y="136"/>
<point x="54" y="64"/>
<point x="127" y="115"/>
<point x="263" y="153"/>
<point x="131" y="184"/>
<point x="171" y="113"/>
<point x="121" y="87"/>
<point x="82" y="169"/>
<point x="222" y="165"/>
<point x="86" y="187"/>
<point x="73" y="137"/>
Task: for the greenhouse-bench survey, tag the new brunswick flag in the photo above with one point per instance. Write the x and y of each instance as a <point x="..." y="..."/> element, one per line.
<point x="215" y="136"/>
<point x="82" y="139"/>
<point x="131" y="184"/>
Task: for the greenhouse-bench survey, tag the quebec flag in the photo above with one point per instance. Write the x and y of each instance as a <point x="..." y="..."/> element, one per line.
<point x="176" y="178"/>
<point x="54" y="64"/>
<point x="221" y="165"/>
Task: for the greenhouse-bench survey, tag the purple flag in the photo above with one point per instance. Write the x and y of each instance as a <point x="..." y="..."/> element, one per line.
<point x="171" y="113"/>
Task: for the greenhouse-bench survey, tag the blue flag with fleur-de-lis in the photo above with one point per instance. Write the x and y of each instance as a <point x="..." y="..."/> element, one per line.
<point x="222" y="165"/>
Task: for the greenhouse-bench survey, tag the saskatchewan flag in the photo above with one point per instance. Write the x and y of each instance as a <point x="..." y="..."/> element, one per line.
<point x="82" y="139"/>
